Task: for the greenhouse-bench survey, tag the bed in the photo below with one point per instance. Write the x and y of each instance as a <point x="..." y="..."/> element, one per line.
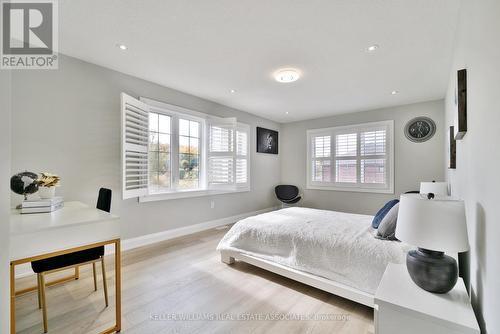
<point x="333" y="251"/>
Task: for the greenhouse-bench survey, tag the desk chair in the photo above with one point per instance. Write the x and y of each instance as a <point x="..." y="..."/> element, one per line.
<point x="73" y="260"/>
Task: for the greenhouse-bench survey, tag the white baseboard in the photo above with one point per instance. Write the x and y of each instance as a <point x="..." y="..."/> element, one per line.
<point x="148" y="239"/>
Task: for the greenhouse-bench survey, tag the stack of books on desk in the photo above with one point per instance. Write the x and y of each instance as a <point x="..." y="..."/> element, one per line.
<point x="42" y="205"/>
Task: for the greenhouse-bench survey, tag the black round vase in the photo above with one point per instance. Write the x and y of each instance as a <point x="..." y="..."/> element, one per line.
<point x="432" y="271"/>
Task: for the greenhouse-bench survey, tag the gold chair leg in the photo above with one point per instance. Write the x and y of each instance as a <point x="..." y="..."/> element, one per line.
<point x="44" y="303"/>
<point x="104" y="283"/>
<point x="39" y="289"/>
<point x="95" y="276"/>
<point x="77" y="272"/>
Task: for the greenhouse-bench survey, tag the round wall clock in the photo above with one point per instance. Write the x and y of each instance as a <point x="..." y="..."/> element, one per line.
<point x="420" y="129"/>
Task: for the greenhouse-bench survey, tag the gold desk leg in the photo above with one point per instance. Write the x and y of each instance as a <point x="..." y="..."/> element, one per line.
<point x="12" y="298"/>
<point x="118" y="288"/>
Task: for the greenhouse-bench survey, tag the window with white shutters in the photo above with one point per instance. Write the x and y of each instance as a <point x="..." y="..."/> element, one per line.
<point x="172" y="152"/>
<point x="352" y="158"/>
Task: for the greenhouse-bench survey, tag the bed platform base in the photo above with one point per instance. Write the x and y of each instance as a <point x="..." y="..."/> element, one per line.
<point x="318" y="282"/>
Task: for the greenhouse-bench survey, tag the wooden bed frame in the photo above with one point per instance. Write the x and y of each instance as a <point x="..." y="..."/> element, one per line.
<point x="318" y="282"/>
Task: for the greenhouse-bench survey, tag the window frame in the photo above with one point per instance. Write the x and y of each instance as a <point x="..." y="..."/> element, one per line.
<point x="176" y="113"/>
<point x="387" y="188"/>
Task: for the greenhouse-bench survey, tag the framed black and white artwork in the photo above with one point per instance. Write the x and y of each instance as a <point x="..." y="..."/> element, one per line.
<point x="267" y="141"/>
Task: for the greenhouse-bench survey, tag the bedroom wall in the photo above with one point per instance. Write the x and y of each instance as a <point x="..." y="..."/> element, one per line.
<point x="70" y="125"/>
<point x="476" y="177"/>
<point x="414" y="162"/>
<point x="5" y="153"/>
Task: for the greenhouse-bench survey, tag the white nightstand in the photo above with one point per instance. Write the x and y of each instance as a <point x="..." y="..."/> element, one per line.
<point x="403" y="307"/>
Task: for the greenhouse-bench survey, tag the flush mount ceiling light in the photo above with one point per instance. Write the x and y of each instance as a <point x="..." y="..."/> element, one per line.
<point x="122" y="47"/>
<point x="287" y="75"/>
<point x="232" y="91"/>
<point x="372" y="48"/>
<point x="394" y="92"/>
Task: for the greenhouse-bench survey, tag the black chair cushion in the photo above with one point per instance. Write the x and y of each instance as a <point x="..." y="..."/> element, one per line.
<point x="286" y="192"/>
<point x="65" y="260"/>
<point x="292" y="201"/>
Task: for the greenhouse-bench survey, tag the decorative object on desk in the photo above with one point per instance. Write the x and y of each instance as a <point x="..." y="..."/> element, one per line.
<point x="461" y="104"/>
<point x="420" y="129"/>
<point x="47" y="183"/>
<point x="434" y="225"/>
<point x="267" y="141"/>
<point x="24" y="183"/>
<point x="439" y="189"/>
<point x="452" y="147"/>
<point x="42" y="205"/>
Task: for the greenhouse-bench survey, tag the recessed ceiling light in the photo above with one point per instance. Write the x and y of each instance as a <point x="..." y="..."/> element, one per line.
<point x="122" y="46"/>
<point x="286" y="112"/>
<point x="372" y="48"/>
<point x="287" y="75"/>
<point x="394" y="92"/>
<point x="233" y="91"/>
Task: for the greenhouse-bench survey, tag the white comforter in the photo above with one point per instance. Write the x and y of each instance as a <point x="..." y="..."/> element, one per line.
<point x="336" y="245"/>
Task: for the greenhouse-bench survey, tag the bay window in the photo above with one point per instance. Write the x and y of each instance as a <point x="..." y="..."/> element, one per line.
<point x="172" y="152"/>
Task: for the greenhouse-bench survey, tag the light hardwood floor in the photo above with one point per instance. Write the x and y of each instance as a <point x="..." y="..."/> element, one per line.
<point x="185" y="278"/>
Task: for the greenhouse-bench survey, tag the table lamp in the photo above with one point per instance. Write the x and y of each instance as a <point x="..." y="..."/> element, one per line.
<point x="434" y="225"/>
<point x="437" y="188"/>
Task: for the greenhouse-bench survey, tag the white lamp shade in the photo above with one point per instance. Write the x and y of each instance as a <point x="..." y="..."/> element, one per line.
<point x="436" y="224"/>
<point x="437" y="188"/>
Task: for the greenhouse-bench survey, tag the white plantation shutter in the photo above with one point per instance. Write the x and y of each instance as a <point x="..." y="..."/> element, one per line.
<point x="321" y="163"/>
<point x="346" y="151"/>
<point x="135" y="136"/>
<point x="373" y="148"/>
<point x="242" y="152"/>
<point x="221" y="153"/>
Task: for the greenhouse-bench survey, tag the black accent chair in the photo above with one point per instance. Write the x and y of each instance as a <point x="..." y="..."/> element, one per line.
<point x="72" y="260"/>
<point x="287" y="194"/>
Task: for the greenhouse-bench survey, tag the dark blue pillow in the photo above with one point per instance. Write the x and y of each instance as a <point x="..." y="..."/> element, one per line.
<point x="382" y="212"/>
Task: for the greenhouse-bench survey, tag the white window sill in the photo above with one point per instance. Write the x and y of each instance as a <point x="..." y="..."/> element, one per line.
<point x="188" y="194"/>
<point x="352" y="189"/>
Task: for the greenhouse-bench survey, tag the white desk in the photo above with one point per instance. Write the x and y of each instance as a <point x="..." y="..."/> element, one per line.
<point x="74" y="227"/>
<point x="403" y="307"/>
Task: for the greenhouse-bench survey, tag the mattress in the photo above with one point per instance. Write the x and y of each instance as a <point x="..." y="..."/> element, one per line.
<point x="335" y="245"/>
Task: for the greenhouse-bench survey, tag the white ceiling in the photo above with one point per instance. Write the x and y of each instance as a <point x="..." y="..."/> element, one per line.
<point x="206" y="48"/>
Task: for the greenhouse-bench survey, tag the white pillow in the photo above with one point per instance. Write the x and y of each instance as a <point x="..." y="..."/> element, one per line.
<point x="387" y="227"/>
